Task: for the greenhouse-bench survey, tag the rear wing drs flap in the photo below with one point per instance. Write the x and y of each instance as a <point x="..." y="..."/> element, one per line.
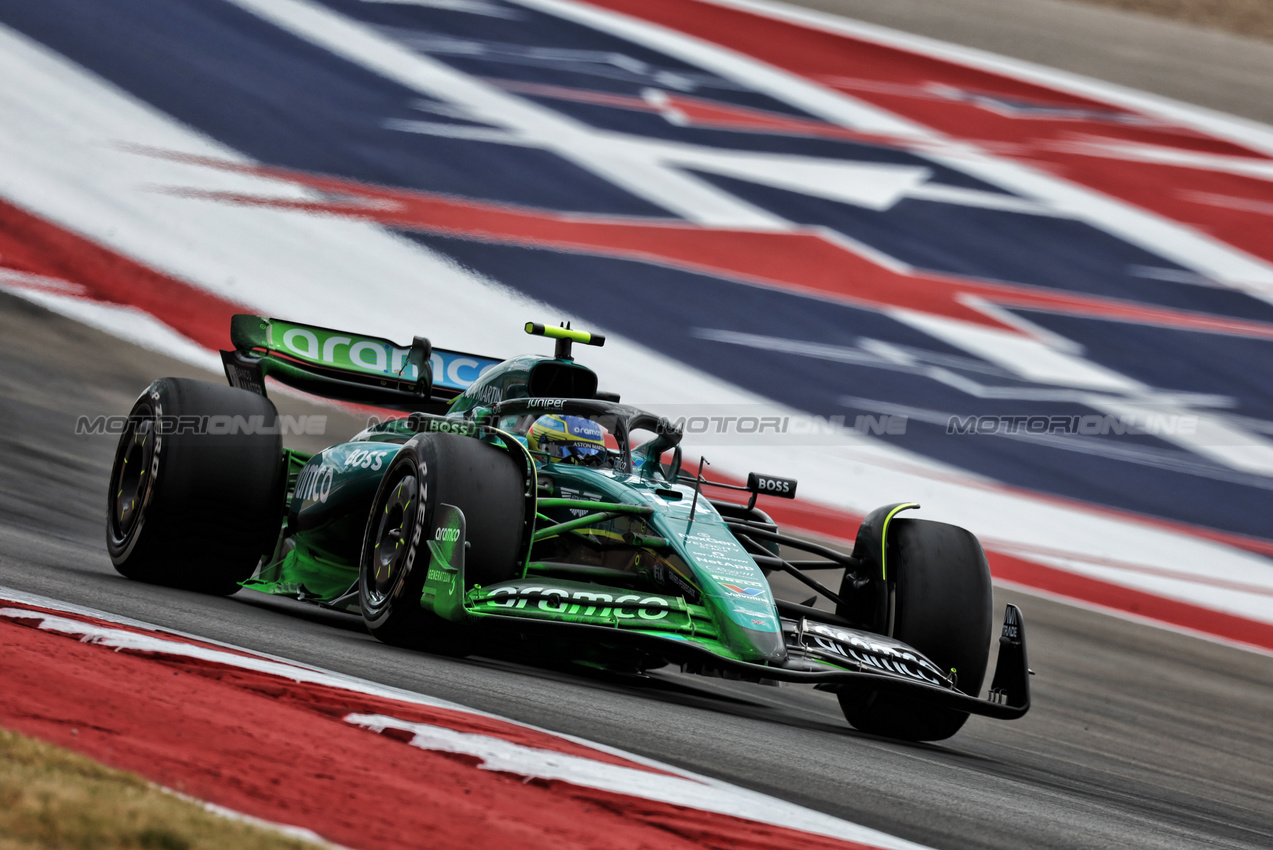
<point x="347" y="367"/>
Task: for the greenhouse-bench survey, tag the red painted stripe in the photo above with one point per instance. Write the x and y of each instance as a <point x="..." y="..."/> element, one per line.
<point x="697" y="112"/>
<point x="1127" y="600"/>
<point x="31" y="245"/>
<point x="280" y="750"/>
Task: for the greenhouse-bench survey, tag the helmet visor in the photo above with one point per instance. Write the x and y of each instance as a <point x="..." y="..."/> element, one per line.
<point x="584" y="454"/>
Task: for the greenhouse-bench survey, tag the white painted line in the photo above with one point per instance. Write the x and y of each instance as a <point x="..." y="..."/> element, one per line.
<point x="497" y="754"/>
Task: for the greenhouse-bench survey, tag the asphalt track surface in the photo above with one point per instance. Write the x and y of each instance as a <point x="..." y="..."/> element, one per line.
<point x="1138" y="737"/>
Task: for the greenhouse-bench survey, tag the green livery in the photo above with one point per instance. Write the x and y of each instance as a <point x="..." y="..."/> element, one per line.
<point x="519" y="508"/>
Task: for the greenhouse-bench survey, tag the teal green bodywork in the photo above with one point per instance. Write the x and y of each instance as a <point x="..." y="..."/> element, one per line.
<point x="530" y="375"/>
<point x="734" y="610"/>
<point x="657" y="571"/>
<point x="324" y="535"/>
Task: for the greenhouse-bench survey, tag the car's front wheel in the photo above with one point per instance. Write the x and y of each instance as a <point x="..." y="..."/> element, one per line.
<point x="430" y="471"/>
<point x="942" y="606"/>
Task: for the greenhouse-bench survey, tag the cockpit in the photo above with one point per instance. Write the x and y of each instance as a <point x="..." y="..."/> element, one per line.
<point x="592" y="434"/>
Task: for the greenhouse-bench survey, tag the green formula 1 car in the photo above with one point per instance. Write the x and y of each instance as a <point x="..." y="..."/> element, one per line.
<point x="517" y="505"/>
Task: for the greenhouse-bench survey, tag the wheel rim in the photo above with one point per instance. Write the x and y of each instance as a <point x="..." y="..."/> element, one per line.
<point x="393" y="532"/>
<point x="133" y="479"/>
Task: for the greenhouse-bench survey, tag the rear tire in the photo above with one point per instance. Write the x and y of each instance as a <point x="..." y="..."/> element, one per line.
<point x="943" y="608"/>
<point x="486" y="484"/>
<point x="189" y="508"/>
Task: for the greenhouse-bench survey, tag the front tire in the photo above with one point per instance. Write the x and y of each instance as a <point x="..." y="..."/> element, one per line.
<point x="196" y="490"/>
<point x="943" y="607"/>
<point x="432" y="469"/>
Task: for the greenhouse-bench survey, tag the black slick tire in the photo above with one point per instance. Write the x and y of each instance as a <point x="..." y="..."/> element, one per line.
<point x="197" y="486"/>
<point x="943" y="607"/>
<point x="432" y="469"/>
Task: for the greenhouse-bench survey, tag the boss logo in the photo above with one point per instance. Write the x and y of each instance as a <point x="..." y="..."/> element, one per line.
<point x="365" y="459"/>
<point x="772" y="486"/>
<point x="445" y="427"/>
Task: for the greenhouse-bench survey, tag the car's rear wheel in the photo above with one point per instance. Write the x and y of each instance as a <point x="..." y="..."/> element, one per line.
<point x="196" y="489"/>
<point x="943" y="607"/>
<point x="435" y="469"/>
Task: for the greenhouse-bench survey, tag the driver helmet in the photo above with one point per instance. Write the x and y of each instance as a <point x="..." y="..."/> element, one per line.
<point x="572" y="439"/>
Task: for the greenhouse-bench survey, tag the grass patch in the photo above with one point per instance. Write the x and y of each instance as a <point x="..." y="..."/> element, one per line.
<point x="54" y="798"/>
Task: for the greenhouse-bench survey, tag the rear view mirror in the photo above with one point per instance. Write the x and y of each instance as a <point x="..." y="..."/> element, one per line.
<point x="672" y="468"/>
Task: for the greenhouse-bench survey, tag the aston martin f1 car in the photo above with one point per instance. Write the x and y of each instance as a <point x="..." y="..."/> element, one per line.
<point x="514" y="503"/>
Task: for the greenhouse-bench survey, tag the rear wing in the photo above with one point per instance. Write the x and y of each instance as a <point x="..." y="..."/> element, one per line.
<point x="347" y="367"/>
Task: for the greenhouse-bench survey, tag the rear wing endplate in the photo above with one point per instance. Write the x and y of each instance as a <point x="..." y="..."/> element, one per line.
<point x="347" y="367"/>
